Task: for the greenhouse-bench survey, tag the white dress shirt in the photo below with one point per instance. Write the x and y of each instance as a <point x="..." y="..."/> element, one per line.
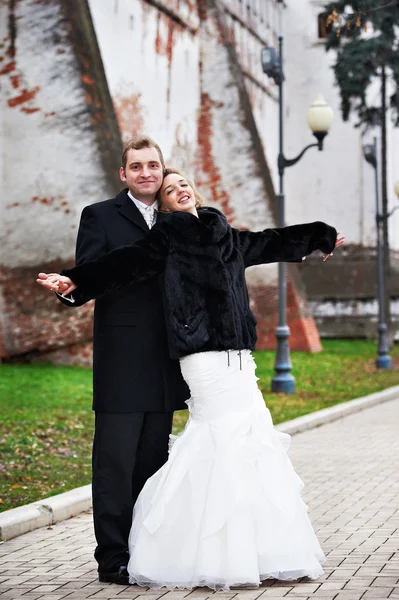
<point x="149" y="212"/>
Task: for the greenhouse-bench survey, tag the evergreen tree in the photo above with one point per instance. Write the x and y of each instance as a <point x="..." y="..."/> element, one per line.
<point x="364" y="35"/>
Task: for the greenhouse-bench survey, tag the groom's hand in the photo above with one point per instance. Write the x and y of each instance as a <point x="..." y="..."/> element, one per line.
<point x="45" y="278"/>
<point x="56" y="283"/>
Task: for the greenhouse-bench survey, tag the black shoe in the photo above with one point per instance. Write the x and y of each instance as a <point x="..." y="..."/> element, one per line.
<point x="121" y="576"/>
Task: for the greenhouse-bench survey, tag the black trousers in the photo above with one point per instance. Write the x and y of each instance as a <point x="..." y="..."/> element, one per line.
<point x="128" y="448"/>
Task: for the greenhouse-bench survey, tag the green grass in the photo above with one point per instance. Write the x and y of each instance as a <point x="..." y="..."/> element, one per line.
<point x="345" y="370"/>
<point x="46" y="422"/>
<point x="46" y="426"/>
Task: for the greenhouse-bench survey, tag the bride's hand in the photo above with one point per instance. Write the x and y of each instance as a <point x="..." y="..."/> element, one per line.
<point x="338" y="243"/>
<point x="56" y="283"/>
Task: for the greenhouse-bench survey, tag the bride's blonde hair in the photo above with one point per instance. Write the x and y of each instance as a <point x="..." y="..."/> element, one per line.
<point x="199" y="199"/>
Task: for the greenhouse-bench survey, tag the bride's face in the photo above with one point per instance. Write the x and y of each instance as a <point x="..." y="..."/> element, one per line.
<point x="177" y="194"/>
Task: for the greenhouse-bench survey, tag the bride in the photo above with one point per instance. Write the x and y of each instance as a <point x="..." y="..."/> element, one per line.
<point x="226" y="508"/>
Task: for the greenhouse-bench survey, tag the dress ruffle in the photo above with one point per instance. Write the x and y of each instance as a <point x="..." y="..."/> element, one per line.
<point x="226" y="509"/>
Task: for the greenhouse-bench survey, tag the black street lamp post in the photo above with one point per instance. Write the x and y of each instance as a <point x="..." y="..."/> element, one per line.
<point x="319" y="118"/>
<point x="383" y="360"/>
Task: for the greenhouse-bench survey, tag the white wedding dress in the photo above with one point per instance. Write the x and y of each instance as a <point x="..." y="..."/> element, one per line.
<point x="225" y="510"/>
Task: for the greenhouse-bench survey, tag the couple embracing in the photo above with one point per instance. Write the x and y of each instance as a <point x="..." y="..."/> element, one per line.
<point x="173" y="327"/>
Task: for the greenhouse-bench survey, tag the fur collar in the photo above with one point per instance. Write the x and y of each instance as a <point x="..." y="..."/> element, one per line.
<point x="210" y="226"/>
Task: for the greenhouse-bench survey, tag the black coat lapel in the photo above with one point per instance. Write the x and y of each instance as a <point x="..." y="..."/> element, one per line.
<point x="128" y="209"/>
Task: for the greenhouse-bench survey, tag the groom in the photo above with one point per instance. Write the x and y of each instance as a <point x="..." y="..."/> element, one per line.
<point x="136" y="386"/>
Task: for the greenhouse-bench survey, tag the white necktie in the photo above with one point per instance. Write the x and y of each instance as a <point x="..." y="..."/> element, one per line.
<point x="149" y="215"/>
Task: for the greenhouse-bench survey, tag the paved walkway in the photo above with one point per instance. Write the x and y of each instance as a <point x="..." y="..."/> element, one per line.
<point x="351" y="471"/>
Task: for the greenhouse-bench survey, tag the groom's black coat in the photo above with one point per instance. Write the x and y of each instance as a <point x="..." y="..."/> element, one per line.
<point x="132" y="371"/>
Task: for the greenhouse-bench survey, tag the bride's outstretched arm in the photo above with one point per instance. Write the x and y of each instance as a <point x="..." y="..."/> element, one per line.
<point x="128" y="264"/>
<point x="287" y="244"/>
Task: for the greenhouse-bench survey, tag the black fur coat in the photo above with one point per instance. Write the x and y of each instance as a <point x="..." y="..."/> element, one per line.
<point x="202" y="262"/>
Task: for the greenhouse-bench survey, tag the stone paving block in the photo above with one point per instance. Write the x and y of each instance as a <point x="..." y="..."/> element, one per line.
<point x="332" y="586"/>
<point x="305" y="588"/>
<point x="78" y="595"/>
<point x="127" y="593"/>
<point x="376" y="559"/>
<point x="46" y="588"/>
<point x="66" y="584"/>
<point x="349" y="595"/>
<point x="111" y="590"/>
<point x="325" y="594"/>
<point x="377" y="593"/>
<point x="385" y="581"/>
<point x="52" y="597"/>
<point x="389" y="570"/>
<point x="7" y="571"/>
<point x="273" y="592"/>
<point x="351" y="561"/>
<point x="240" y="595"/>
<point x="179" y="594"/>
<point x="120" y="597"/>
<point x="17" y="596"/>
<point x="19" y="580"/>
<point x="343" y="574"/>
<point x="195" y="596"/>
<point x="30" y="595"/>
<point x="358" y="583"/>
<point x="371" y="571"/>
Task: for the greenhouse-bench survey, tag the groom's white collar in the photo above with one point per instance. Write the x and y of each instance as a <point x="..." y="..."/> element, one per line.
<point x="141" y="205"/>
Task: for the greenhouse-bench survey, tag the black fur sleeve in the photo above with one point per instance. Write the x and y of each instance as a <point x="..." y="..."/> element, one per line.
<point x="128" y="264"/>
<point x="288" y="244"/>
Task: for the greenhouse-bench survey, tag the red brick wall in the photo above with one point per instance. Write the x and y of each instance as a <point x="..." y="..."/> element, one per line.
<point x="34" y="321"/>
<point x="264" y="303"/>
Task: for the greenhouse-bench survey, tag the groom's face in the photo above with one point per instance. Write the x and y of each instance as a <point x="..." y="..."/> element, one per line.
<point x="143" y="172"/>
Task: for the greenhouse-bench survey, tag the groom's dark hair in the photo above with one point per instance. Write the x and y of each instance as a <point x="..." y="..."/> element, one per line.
<point x="138" y="143"/>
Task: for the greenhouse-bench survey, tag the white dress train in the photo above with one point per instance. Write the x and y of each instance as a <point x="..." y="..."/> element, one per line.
<point x="226" y="509"/>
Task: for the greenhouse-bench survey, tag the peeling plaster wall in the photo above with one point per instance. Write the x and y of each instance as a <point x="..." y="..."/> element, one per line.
<point x="252" y="26"/>
<point x="151" y="65"/>
<point x="50" y="170"/>
<point x="166" y="88"/>
<point x="50" y="167"/>
<point x="227" y="165"/>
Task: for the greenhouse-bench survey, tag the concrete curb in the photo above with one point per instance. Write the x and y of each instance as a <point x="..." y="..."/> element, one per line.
<point x="327" y="415"/>
<point x="45" y="512"/>
<point x="49" y="511"/>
